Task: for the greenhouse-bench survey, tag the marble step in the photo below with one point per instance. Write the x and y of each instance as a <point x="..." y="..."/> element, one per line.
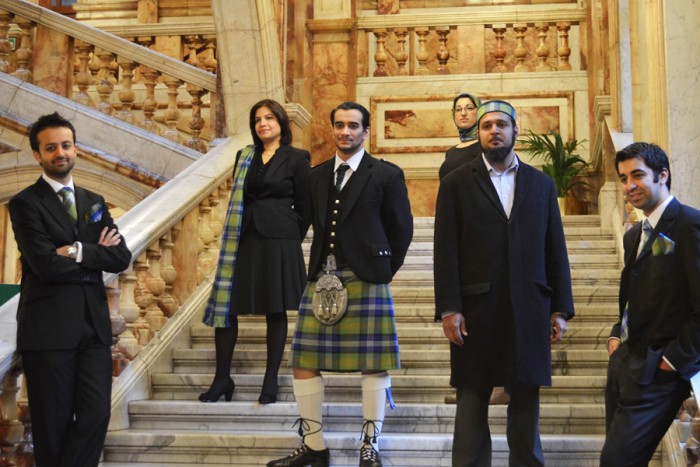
<point x="182" y="447"/>
<point x="579" y="276"/>
<point x="346" y="417"/>
<point x="567" y="220"/>
<point x="427" y="361"/>
<point x="406" y="387"/>
<point x="582" y="294"/>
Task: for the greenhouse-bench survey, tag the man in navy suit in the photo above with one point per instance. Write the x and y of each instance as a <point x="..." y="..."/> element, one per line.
<point x="655" y="346"/>
<point x="67" y="238"/>
<point x="502" y="288"/>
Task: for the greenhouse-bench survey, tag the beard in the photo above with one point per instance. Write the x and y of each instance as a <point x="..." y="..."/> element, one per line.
<point x="496" y="155"/>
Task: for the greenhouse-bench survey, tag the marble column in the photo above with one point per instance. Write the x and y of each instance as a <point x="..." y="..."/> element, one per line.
<point x="665" y="93"/>
<point x="334" y="73"/>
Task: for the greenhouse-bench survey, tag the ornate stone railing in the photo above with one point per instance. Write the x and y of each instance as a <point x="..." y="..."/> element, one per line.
<point x="519" y="40"/>
<point x="116" y="76"/>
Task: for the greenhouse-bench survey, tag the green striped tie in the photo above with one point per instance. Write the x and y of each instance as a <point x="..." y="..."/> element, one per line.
<point x="66" y="193"/>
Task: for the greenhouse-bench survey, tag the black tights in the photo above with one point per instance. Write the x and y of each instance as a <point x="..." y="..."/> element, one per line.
<point x="225" y="341"/>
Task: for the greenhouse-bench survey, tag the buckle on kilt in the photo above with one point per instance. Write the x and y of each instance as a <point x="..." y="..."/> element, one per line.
<point x="330" y="299"/>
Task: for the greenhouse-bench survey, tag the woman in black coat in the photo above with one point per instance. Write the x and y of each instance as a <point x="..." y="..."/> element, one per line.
<point x="261" y="265"/>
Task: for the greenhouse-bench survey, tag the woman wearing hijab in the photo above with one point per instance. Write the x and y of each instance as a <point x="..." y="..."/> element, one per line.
<point x="464" y="115"/>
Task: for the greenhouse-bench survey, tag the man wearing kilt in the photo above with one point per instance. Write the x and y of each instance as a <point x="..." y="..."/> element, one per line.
<point x="362" y="226"/>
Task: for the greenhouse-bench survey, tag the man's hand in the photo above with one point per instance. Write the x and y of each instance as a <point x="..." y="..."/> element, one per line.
<point x="455" y="328"/>
<point x="558" y="327"/>
<point x="613" y="345"/>
<point x="63" y="251"/>
<point x="109" y="237"/>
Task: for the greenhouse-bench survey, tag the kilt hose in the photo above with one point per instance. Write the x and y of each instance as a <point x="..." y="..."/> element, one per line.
<point x="364" y="339"/>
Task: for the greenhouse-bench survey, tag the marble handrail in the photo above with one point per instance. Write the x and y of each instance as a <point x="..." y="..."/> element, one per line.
<point x="114" y="44"/>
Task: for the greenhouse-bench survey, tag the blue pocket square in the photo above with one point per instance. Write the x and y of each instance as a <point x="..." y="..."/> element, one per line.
<point x="663" y="245"/>
<point x="94" y="214"/>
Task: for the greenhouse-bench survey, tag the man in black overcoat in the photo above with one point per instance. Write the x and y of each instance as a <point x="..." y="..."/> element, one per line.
<point x="502" y="288"/>
<point x="66" y="238"/>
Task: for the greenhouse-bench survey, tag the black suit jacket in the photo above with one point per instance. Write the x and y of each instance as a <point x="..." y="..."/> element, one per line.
<point x="282" y="208"/>
<point x="663" y="292"/>
<point x="374" y="218"/>
<point x="505" y="275"/>
<point x="56" y="292"/>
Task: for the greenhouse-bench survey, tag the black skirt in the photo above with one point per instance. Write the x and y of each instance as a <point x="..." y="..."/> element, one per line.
<point x="269" y="276"/>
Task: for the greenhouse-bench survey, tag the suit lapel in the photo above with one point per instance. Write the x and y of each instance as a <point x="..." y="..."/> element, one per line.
<point x="278" y="160"/>
<point x="663" y="226"/>
<point x="357" y="183"/>
<point x="51" y="202"/>
<point x="522" y="187"/>
<point x="82" y="204"/>
<point x="483" y="180"/>
<point x="324" y="183"/>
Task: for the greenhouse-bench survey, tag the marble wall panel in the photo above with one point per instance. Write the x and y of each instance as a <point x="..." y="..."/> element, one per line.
<point x="420" y="124"/>
<point x="422" y="194"/>
<point x="373" y="4"/>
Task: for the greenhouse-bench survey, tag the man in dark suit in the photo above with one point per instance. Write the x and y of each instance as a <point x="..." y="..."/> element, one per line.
<point x="655" y="347"/>
<point x="362" y="227"/>
<point x="66" y="237"/>
<point x="502" y="288"/>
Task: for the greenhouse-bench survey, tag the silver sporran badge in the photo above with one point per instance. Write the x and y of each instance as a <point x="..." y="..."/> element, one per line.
<point x="330" y="297"/>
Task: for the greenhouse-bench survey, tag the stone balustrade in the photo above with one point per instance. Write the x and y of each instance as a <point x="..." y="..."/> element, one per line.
<point x="119" y="77"/>
<point x="439" y="43"/>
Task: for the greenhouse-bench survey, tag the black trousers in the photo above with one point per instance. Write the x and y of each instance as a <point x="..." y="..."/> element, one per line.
<point x="69" y="395"/>
<point x="471" y="445"/>
<point x="637" y="417"/>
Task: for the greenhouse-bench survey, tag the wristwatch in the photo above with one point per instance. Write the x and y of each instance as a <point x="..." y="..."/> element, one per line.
<point x="72" y="251"/>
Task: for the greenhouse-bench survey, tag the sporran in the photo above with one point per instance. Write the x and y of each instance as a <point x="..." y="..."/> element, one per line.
<point x="330" y="300"/>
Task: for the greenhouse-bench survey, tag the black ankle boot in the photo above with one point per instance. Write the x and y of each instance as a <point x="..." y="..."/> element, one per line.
<point x="214" y="394"/>
<point x="268" y="395"/>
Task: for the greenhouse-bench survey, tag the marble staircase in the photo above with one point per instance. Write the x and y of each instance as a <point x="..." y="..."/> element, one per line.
<point x="173" y="428"/>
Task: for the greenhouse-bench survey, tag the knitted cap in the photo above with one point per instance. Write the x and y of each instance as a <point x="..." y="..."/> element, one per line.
<point x="495" y="106"/>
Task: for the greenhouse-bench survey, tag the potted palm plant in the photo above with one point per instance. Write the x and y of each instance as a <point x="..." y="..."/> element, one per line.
<point x="560" y="162"/>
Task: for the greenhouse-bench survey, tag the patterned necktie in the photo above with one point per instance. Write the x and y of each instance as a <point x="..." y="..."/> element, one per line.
<point x="340" y="175"/>
<point x="66" y="193"/>
<point x="646" y="233"/>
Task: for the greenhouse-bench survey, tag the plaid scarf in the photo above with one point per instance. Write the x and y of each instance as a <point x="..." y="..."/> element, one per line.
<point x="216" y="314"/>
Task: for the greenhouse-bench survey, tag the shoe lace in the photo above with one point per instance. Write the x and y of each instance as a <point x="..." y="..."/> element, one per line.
<point x="369" y="427"/>
<point x="305" y="428"/>
<point x="367" y="453"/>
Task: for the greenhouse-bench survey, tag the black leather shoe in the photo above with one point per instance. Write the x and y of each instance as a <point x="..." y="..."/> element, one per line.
<point x="302" y="457"/>
<point x="265" y="399"/>
<point x="369" y="457"/>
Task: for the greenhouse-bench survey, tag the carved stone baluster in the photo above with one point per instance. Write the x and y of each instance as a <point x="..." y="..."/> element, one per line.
<point x="168" y="273"/>
<point x="172" y="114"/>
<point x="193" y="43"/>
<point x="443" y="53"/>
<point x="216" y="223"/>
<point x="83" y="77"/>
<point x="196" y="123"/>
<point x="401" y="55"/>
<point x="422" y="53"/>
<point x="150" y="104"/>
<point x="542" y="49"/>
<point x="520" y="51"/>
<point x="156" y="285"/>
<point x="11" y="429"/>
<point x="5" y="45"/>
<point x="380" y="56"/>
<point x="25" y="450"/>
<point x="206" y="260"/>
<point x="499" y="53"/>
<point x="564" y="51"/>
<point x="209" y="61"/>
<point x="126" y="95"/>
<point x="128" y="342"/>
<point x="143" y="297"/>
<point x="119" y="360"/>
<point x="105" y="86"/>
<point x="24" y="52"/>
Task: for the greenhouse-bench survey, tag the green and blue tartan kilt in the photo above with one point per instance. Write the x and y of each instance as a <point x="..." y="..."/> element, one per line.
<point x="365" y="339"/>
